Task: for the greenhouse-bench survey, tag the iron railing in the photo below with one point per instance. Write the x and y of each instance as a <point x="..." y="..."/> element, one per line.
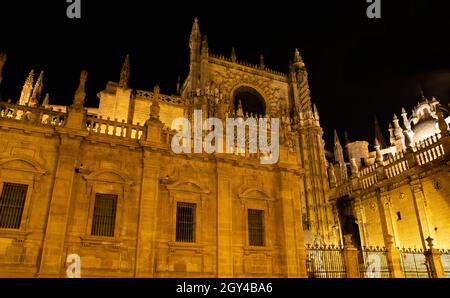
<point x="374" y="262"/>
<point x="415" y="264"/>
<point x="325" y="261"/>
<point x="445" y="260"/>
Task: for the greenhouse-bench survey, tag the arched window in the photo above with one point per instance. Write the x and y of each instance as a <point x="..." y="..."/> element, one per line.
<point x="252" y="101"/>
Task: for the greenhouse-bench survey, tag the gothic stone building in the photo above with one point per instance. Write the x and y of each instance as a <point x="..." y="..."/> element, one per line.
<point x="103" y="182"/>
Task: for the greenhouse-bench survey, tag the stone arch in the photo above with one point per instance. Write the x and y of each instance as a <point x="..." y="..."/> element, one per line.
<point x="255" y="193"/>
<point x="109" y="175"/>
<point x="187" y="186"/>
<point x="256" y="95"/>
<point x="22" y="164"/>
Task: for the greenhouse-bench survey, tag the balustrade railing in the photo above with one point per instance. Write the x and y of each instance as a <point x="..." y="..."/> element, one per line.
<point x="39" y="116"/>
<point x="113" y="128"/>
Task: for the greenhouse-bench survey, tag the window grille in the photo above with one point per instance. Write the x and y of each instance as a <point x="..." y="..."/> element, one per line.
<point x="104" y="218"/>
<point x="256" y="227"/>
<point x="12" y="202"/>
<point x="185" y="227"/>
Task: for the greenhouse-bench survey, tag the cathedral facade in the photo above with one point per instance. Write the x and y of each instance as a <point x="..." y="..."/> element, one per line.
<point x="102" y="183"/>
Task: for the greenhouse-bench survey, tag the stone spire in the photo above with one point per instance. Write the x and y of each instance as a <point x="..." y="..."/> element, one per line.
<point x="178" y="84"/>
<point x="297" y="57"/>
<point x="299" y="74"/>
<point x="316" y="112"/>
<point x="233" y="54"/>
<point x="261" y="62"/>
<point x="195" y="33"/>
<point x="27" y="89"/>
<point x="338" y="152"/>
<point x="46" y="102"/>
<point x="205" y="48"/>
<point x="80" y="93"/>
<point x="154" y="109"/>
<point x="125" y="73"/>
<point x="378" y="133"/>
<point x="398" y="132"/>
<point x="2" y="63"/>
<point x="405" y="119"/>
<point x="37" y="90"/>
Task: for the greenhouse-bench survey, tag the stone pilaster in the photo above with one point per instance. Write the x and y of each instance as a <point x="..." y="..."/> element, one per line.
<point x="224" y="221"/>
<point x="51" y="262"/>
<point x="434" y="259"/>
<point x="393" y="258"/>
<point x="420" y="206"/>
<point x="387" y="224"/>
<point x="351" y="257"/>
<point x="145" y="252"/>
<point x="71" y="135"/>
<point x="291" y="214"/>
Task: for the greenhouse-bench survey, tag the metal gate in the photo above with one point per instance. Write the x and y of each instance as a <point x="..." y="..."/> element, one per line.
<point x="374" y="262"/>
<point x="445" y="260"/>
<point x="325" y="261"/>
<point x="415" y="264"/>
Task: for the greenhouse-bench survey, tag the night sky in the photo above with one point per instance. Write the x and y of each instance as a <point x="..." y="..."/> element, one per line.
<point x="358" y="67"/>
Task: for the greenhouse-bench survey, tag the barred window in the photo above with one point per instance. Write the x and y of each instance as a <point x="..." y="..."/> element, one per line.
<point x="256" y="227"/>
<point x="104" y="218"/>
<point x="12" y="202"/>
<point x="185" y="229"/>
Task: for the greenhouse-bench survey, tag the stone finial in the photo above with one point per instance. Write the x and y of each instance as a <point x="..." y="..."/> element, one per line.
<point x="154" y="109"/>
<point x="240" y="111"/>
<point x="429" y="241"/>
<point x="233" y="54"/>
<point x="46" y="101"/>
<point x="261" y="62"/>
<point x="124" y="80"/>
<point x="195" y="33"/>
<point x="25" y="95"/>
<point x="297" y="57"/>
<point x="80" y="93"/>
<point x="443" y="126"/>
<point x="348" y="239"/>
<point x="336" y="138"/>
<point x="3" y="58"/>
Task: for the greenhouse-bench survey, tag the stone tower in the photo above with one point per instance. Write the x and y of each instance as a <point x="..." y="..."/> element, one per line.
<point x="318" y="215"/>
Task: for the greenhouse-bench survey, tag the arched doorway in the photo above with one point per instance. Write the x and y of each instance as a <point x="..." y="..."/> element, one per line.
<point x="348" y="220"/>
<point x="252" y="101"/>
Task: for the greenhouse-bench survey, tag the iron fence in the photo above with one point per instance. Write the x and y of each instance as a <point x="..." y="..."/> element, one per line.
<point x="415" y="263"/>
<point x="445" y="260"/>
<point x="325" y="261"/>
<point x="374" y="262"/>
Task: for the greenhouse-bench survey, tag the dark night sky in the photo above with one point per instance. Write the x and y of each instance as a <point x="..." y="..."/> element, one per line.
<point x="358" y="67"/>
